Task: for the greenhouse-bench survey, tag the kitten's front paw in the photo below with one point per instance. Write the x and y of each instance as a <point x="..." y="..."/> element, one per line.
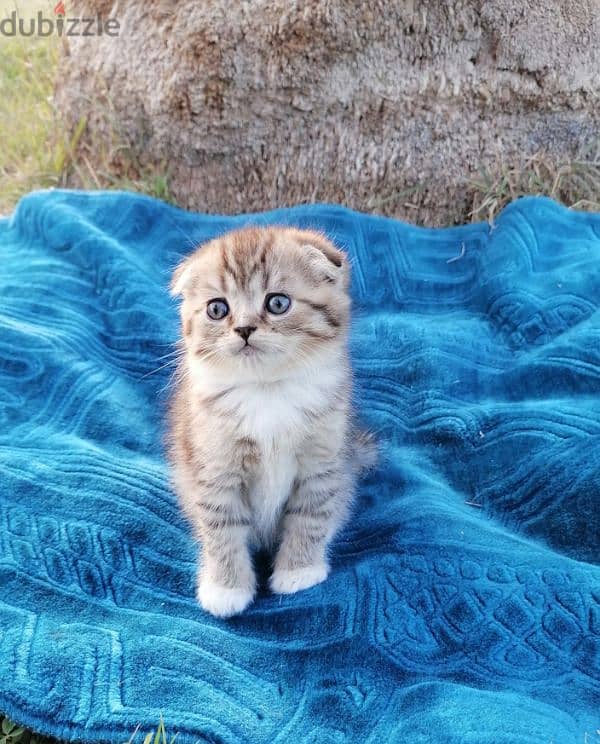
<point x="223" y="601"/>
<point x="288" y="582"/>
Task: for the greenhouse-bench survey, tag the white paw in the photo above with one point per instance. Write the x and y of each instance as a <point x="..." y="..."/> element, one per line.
<point x="288" y="582"/>
<point x="223" y="601"/>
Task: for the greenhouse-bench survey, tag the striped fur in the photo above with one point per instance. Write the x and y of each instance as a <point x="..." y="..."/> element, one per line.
<point x="261" y="441"/>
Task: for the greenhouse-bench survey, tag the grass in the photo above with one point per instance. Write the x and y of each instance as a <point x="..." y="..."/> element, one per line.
<point x="39" y="148"/>
<point x="154" y="737"/>
<point x="10" y="733"/>
<point x="574" y="182"/>
<point x="33" y="154"/>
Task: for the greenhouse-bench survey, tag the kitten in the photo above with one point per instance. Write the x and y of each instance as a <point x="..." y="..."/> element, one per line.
<point x="262" y="448"/>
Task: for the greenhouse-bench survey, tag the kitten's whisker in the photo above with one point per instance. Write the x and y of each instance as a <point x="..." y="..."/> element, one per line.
<point x="206" y="355"/>
<point x="176" y="353"/>
<point x="154" y="371"/>
<point x="178" y="375"/>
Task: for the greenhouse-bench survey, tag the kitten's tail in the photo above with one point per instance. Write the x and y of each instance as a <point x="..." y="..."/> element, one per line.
<point x="364" y="451"/>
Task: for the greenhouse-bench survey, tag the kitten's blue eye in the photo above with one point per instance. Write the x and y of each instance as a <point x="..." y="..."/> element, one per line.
<point x="277" y="303"/>
<point x="217" y="309"/>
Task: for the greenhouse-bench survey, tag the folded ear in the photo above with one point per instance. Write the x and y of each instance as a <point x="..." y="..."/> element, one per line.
<point x="181" y="277"/>
<point x="333" y="262"/>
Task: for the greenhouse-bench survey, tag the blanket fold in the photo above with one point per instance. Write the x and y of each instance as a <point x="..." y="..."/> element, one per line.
<point x="464" y="599"/>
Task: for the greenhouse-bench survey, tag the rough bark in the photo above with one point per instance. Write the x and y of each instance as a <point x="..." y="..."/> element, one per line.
<point x="374" y="104"/>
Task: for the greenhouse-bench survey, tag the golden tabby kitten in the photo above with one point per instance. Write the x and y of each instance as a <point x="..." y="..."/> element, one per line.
<point x="261" y="438"/>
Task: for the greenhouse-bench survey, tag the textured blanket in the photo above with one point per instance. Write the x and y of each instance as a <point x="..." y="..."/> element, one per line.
<point x="464" y="599"/>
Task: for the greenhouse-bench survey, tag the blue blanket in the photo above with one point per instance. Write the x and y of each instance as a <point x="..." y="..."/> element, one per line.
<point x="464" y="599"/>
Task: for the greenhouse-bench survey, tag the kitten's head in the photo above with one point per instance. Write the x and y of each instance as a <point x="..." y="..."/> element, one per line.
<point x="263" y="299"/>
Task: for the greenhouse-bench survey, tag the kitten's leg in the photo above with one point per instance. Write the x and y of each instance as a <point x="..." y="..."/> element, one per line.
<point x="314" y="512"/>
<point x="226" y="581"/>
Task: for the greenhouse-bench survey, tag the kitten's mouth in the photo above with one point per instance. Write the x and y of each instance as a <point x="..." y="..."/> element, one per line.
<point x="248" y="350"/>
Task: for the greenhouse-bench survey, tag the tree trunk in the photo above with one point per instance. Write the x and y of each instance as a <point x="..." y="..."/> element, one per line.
<point x="384" y="105"/>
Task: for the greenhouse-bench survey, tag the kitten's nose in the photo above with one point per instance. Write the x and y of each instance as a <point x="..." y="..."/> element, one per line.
<point x="245" y="331"/>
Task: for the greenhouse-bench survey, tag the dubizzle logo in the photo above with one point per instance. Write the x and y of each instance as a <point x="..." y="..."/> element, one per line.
<point x="61" y="25"/>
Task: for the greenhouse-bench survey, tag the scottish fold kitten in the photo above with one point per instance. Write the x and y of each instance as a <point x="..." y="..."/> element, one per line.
<point x="262" y="447"/>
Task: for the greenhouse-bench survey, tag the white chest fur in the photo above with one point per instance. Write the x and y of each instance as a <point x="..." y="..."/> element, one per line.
<point x="275" y="417"/>
<point x="269" y="491"/>
<point x="278" y="417"/>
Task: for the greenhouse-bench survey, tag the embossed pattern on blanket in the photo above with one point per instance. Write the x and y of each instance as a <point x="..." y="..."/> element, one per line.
<point x="464" y="599"/>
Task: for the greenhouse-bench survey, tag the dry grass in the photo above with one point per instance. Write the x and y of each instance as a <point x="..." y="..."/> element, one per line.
<point x="159" y="736"/>
<point x="39" y="149"/>
<point x="575" y="183"/>
<point x="109" y="160"/>
<point x="34" y="152"/>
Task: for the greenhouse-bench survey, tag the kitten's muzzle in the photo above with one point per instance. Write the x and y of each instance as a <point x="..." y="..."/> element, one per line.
<point x="245" y="331"/>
